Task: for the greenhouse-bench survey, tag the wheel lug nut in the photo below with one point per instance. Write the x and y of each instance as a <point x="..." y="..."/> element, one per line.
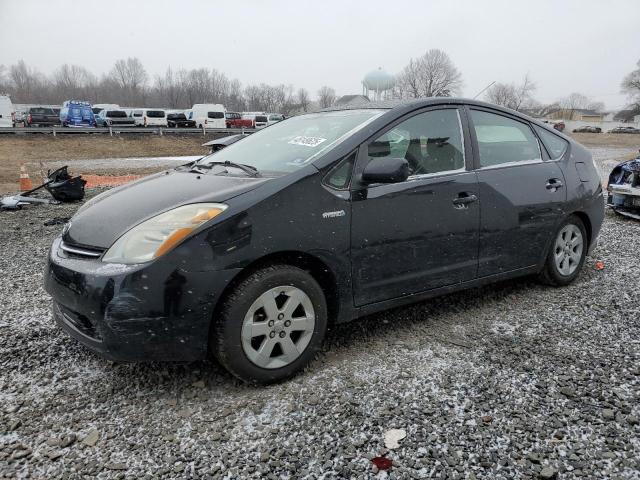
<point x="280" y="316"/>
<point x="287" y="323"/>
<point x="272" y="334"/>
<point x="271" y="323"/>
<point x="282" y="334"/>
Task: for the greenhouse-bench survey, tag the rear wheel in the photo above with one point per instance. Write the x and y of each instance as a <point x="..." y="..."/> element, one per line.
<point x="567" y="253"/>
<point x="271" y="326"/>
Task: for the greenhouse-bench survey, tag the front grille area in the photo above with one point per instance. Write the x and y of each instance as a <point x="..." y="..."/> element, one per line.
<point x="78" y="321"/>
<point x="81" y="252"/>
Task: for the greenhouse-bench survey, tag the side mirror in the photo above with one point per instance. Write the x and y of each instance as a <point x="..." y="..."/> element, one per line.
<point x="386" y="170"/>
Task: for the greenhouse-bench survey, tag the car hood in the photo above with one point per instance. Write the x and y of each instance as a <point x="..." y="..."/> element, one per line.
<point x="104" y="219"/>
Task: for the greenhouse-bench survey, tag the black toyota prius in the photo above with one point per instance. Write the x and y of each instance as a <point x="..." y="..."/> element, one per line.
<point x="251" y="253"/>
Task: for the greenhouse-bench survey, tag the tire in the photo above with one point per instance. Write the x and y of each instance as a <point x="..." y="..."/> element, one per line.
<point x="237" y="333"/>
<point x="566" y="255"/>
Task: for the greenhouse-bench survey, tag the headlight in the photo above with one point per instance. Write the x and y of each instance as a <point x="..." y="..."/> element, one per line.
<point x="156" y="236"/>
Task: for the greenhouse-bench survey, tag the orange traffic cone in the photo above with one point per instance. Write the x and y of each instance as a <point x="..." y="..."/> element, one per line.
<point x="25" y="181"/>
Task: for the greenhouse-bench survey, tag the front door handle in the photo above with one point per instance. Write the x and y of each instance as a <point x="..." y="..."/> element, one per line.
<point x="554" y="184"/>
<point x="463" y="199"/>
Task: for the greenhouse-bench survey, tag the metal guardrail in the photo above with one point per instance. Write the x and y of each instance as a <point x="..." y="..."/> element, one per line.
<point x="160" y="131"/>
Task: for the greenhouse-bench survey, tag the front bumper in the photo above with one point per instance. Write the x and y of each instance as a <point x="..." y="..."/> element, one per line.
<point x="154" y="311"/>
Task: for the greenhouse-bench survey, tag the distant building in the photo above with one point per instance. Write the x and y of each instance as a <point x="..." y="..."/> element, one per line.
<point x="352" y="100"/>
<point x="582" y="114"/>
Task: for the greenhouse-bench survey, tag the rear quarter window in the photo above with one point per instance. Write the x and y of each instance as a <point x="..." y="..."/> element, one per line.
<point x="555" y="145"/>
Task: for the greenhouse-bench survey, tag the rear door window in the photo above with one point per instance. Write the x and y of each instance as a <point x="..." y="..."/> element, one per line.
<point x="155" y="113"/>
<point x="215" y="114"/>
<point x="502" y="140"/>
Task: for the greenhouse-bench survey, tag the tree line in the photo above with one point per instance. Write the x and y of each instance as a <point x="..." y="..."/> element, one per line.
<point x="128" y="83"/>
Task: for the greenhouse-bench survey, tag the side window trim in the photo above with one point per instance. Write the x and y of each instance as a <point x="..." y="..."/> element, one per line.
<point x="476" y="148"/>
<point x="362" y="157"/>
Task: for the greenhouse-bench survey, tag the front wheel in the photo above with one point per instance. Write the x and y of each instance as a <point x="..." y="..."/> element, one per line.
<point x="271" y="326"/>
<point x="567" y="253"/>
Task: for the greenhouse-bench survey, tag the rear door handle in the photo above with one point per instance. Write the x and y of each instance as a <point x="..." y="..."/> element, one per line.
<point x="463" y="199"/>
<point x="554" y="184"/>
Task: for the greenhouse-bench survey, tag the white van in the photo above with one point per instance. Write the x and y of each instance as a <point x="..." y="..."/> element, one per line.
<point x="149" y="117"/>
<point x="7" y="113"/>
<point x="207" y="115"/>
<point x="96" y="108"/>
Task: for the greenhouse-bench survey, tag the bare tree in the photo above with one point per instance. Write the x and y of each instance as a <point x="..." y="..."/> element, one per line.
<point x="431" y="75"/>
<point x="631" y="86"/>
<point x="578" y="101"/>
<point x="515" y="97"/>
<point x="73" y="81"/>
<point x="131" y="78"/>
<point x="326" y="97"/>
<point x="28" y="84"/>
<point x="302" y="97"/>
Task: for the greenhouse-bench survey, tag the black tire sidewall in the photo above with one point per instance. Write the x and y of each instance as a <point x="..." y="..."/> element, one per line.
<point x="552" y="271"/>
<point x="226" y="339"/>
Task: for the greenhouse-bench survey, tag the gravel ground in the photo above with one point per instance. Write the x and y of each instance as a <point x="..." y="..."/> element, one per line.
<point x="515" y="380"/>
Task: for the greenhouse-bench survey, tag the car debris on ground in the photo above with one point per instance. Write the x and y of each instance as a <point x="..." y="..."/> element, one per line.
<point x="624" y="188"/>
<point x="62" y="186"/>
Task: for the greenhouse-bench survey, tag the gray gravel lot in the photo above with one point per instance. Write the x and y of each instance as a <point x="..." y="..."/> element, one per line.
<point x="515" y="380"/>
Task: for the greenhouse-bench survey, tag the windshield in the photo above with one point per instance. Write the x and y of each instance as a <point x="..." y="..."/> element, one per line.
<point x="176" y="116"/>
<point x="155" y="113"/>
<point x="291" y="144"/>
<point x="261" y="118"/>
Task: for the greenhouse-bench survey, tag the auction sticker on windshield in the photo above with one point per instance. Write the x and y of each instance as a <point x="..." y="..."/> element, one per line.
<point x="307" y="141"/>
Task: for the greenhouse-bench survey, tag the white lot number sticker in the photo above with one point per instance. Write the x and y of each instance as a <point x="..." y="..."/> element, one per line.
<point x="307" y="141"/>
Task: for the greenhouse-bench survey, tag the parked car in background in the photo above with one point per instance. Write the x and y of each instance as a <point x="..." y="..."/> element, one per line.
<point x="317" y="220"/>
<point x="7" y="112"/>
<point x="42" y="117"/>
<point x="20" y="118"/>
<point x="75" y="113"/>
<point x="98" y="107"/>
<point x="236" y="120"/>
<point x="556" y="124"/>
<point x="114" y="118"/>
<point x="274" y="118"/>
<point x="149" y="117"/>
<point x="624" y="130"/>
<point x="179" y="120"/>
<point x="587" y="129"/>
<point x="260" y="119"/>
<point x="207" y="115"/>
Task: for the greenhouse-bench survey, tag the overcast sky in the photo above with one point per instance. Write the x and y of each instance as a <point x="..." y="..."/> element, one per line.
<point x="566" y="46"/>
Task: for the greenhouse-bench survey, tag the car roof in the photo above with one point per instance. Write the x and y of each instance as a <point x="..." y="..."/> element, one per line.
<point x="411" y="104"/>
<point x="400" y="107"/>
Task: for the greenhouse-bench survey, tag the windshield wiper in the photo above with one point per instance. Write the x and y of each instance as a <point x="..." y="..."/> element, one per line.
<point x="195" y="169"/>
<point x="248" y="169"/>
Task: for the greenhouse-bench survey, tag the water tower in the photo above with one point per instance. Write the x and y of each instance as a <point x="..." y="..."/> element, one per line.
<point x="377" y="84"/>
